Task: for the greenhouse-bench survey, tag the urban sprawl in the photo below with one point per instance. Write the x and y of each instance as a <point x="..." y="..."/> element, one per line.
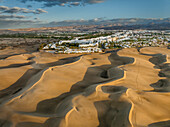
<point x="123" y="39"/>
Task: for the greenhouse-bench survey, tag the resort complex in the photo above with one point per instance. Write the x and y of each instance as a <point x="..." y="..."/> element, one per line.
<point x="123" y="39"/>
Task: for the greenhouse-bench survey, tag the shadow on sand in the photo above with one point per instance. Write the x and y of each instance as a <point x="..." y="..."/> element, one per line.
<point x="98" y="75"/>
<point x="22" y="84"/>
<point x="163" y="85"/>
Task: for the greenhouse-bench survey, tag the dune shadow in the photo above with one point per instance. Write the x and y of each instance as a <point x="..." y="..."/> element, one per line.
<point x="160" y="124"/>
<point x="163" y="85"/>
<point x="5" y="123"/>
<point x="93" y="77"/>
<point x="29" y="124"/>
<point x="158" y="59"/>
<point x="15" y="89"/>
<point x="17" y="65"/>
<point x="22" y="84"/>
<point x="113" y="112"/>
<point x="6" y="56"/>
<point x="60" y="62"/>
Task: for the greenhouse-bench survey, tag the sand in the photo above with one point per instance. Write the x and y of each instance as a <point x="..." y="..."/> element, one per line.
<point x="125" y="88"/>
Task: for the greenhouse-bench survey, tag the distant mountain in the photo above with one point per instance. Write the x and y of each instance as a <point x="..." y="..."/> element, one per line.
<point x="149" y="26"/>
<point x="99" y="23"/>
<point x="102" y="21"/>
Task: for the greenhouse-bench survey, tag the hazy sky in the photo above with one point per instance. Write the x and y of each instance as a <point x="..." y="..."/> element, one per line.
<point x="18" y="12"/>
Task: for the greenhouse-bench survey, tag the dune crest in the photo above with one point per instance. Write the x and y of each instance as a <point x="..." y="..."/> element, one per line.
<point x="128" y="87"/>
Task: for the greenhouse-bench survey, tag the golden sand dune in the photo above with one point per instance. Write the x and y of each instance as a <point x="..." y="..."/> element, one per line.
<point x="10" y="52"/>
<point x="125" y="88"/>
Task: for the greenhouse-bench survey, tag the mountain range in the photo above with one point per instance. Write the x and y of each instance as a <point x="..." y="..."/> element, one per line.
<point x="100" y="23"/>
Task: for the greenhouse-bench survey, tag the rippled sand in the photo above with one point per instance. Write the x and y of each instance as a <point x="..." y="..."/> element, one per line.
<point x="120" y="88"/>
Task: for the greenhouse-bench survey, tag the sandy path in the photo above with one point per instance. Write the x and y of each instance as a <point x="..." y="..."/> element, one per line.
<point x="151" y="107"/>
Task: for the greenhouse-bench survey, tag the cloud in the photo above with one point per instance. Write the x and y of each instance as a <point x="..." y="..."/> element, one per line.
<point x="9" y="19"/>
<point x="95" y="1"/>
<point x="14" y="21"/>
<point x="14" y="10"/>
<point x="4" y="9"/>
<point x="29" y="6"/>
<point x="95" y="21"/>
<point x="39" y="11"/>
<point x="75" y="3"/>
<point x="36" y="18"/>
<point x="50" y="3"/>
<point x="17" y="23"/>
<point x="12" y="16"/>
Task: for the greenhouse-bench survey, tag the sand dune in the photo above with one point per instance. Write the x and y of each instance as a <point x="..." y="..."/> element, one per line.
<point x="125" y="88"/>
